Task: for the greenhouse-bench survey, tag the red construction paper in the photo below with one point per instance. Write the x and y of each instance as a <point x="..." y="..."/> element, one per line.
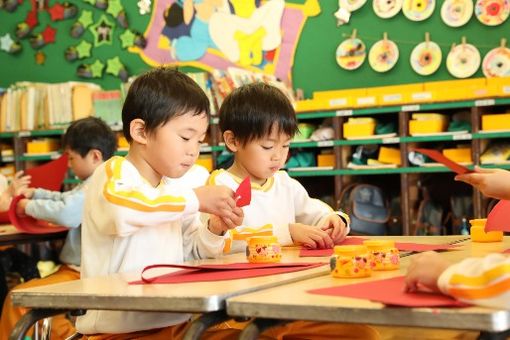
<point x="28" y="224"/>
<point x="390" y="292"/>
<point x="49" y="34"/>
<point x="506" y="251"/>
<point x="439" y="157"/>
<point x="56" y="12"/>
<point x="4" y="217"/>
<point x="233" y="271"/>
<point x="499" y="217"/>
<point x="50" y="175"/>
<point x="31" y="19"/>
<point x="305" y="252"/>
<point x="243" y="193"/>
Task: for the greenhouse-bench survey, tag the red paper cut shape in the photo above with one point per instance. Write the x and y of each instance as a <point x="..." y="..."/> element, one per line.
<point x="50" y="175"/>
<point x="31" y="19"/>
<point x="49" y="34"/>
<point x="499" y="217"/>
<point x="439" y="157"/>
<point x="390" y="292"/>
<point x="232" y="271"/>
<point x="305" y="252"/>
<point x="28" y="224"/>
<point x="56" y="12"/>
<point x="243" y="193"/>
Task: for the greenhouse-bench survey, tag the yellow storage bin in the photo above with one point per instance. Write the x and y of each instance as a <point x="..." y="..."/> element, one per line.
<point x="326" y="159"/>
<point x="338" y="99"/>
<point x="44" y="145"/>
<point x="367" y="100"/>
<point x="460" y="89"/>
<point x="499" y="87"/>
<point x="496" y="122"/>
<point x="394" y="95"/>
<point x="459" y="155"/>
<point x="389" y="155"/>
<point x="359" y="127"/>
<point x="205" y="161"/>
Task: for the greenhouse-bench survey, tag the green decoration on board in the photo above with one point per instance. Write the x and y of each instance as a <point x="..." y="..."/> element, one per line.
<point x="127" y="38"/>
<point x="86" y="18"/>
<point x="113" y="66"/>
<point x="97" y="69"/>
<point x="102" y="31"/>
<point x="114" y="8"/>
<point x="83" y="49"/>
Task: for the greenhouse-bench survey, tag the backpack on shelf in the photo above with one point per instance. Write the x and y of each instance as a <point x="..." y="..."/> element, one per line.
<point x="367" y="207"/>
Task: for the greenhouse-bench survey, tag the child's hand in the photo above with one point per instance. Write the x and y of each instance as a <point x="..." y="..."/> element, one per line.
<point x="18" y="183"/>
<point x="310" y="236"/>
<point x="219" y="225"/>
<point x="335" y="227"/>
<point x="20" y="207"/>
<point x="27" y="192"/>
<point x="216" y="200"/>
<point x="491" y="182"/>
<point x="425" y="270"/>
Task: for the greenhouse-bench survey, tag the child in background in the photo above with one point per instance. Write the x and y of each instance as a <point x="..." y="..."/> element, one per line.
<point x="258" y="122"/>
<point x="480" y="281"/>
<point x="135" y="216"/>
<point x="88" y="143"/>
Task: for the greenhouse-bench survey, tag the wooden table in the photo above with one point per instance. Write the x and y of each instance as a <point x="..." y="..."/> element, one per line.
<point x="114" y="293"/>
<point x="292" y="302"/>
<point x="10" y="235"/>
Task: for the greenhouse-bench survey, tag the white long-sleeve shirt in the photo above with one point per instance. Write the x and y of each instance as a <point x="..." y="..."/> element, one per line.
<point x="279" y="202"/>
<point x="127" y="225"/>
<point x="480" y="281"/>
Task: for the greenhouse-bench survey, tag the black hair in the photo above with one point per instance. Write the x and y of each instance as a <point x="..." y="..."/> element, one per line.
<point x="90" y="133"/>
<point x="159" y="95"/>
<point x="252" y="111"/>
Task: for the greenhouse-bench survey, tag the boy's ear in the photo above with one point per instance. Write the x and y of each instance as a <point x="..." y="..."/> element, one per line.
<point x="137" y="131"/>
<point x="230" y="141"/>
<point x="97" y="156"/>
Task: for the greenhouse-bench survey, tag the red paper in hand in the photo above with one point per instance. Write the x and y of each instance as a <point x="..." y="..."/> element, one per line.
<point x="232" y="271"/>
<point x="305" y="252"/>
<point x="390" y="292"/>
<point x="50" y="175"/>
<point x="499" y="217"/>
<point x="29" y="224"/>
<point x="243" y="193"/>
<point x="439" y="157"/>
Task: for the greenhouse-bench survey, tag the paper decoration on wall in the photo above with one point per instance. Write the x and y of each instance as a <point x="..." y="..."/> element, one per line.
<point x="351" y="53"/>
<point x="342" y="16"/>
<point x="351" y="5"/>
<point x="456" y="13"/>
<point x="10" y="5"/>
<point x="8" y="45"/>
<point x="497" y="62"/>
<point x="84" y="21"/>
<point x="40" y="58"/>
<point x="418" y="10"/>
<point x="101" y="4"/>
<point x="80" y="51"/>
<point x="383" y="55"/>
<point x="94" y="70"/>
<point x="42" y="39"/>
<point x="62" y="12"/>
<point x="426" y="57"/>
<point x="117" y="11"/>
<point x="260" y="36"/>
<point x="115" y="67"/>
<point x="130" y="38"/>
<point x="312" y="8"/>
<point x="23" y="30"/>
<point x="492" y="12"/>
<point x="144" y="7"/>
<point x="387" y="8"/>
<point x="31" y="19"/>
<point x="102" y="31"/>
<point x="463" y="60"/>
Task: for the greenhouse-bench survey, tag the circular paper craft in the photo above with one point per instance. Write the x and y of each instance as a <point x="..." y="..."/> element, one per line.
<point x="350" y="54"/>
<point x="418" y="10"/>
<point x="492" y="12"/>
<point x="383" y="55"/>
<point x="456" y="13"/>
<point x="352" y="5"/>
<point x="387" y="8"/>
<point x="497" y="63"/>
<point x="426" y="58"/>
<point x="463" y="61"/>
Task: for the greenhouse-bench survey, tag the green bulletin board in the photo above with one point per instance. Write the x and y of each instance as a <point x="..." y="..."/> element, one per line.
<point x="314" y="68"/>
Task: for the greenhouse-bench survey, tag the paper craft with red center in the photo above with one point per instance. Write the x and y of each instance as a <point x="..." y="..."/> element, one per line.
<point x="499" y="217"/>
<point x="439" y="157"/>
<point x="243" y="193"/>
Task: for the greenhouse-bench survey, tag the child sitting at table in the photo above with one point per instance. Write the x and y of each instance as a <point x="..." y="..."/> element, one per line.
<point x="88" y="142"/>
<point x="258" y="122"/>
<point x="480" y="281"/>
<point x="136" y="215"/>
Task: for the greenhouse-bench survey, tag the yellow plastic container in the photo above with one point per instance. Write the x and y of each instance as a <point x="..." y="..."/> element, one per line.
<point x="426" y="126"/>
<point x="42" y="146"/>
<point x="383" y="254"/>
<point x="263" y="249"/>
<point x="326" y="159"/>
<point x="459" y="155"/>
<point x="499" y="87"/>
<point x="359" y="127"/>
<point x="350" y="261"/>
<point x="496" y="122"/>
<point x="478" y="233"/>
<point x="395" y="94"/>
<point x="389" y="155"/>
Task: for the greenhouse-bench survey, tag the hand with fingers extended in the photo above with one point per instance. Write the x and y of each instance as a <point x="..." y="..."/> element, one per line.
<point x="425" y="270"/>
<point x="310" y="236"/>
<point x="335" y="227"/>
<point x="219" y="225"/>
<point x="493" y="183"/>
<point x="19" y="183"/>
<point x="216" y="200"/>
